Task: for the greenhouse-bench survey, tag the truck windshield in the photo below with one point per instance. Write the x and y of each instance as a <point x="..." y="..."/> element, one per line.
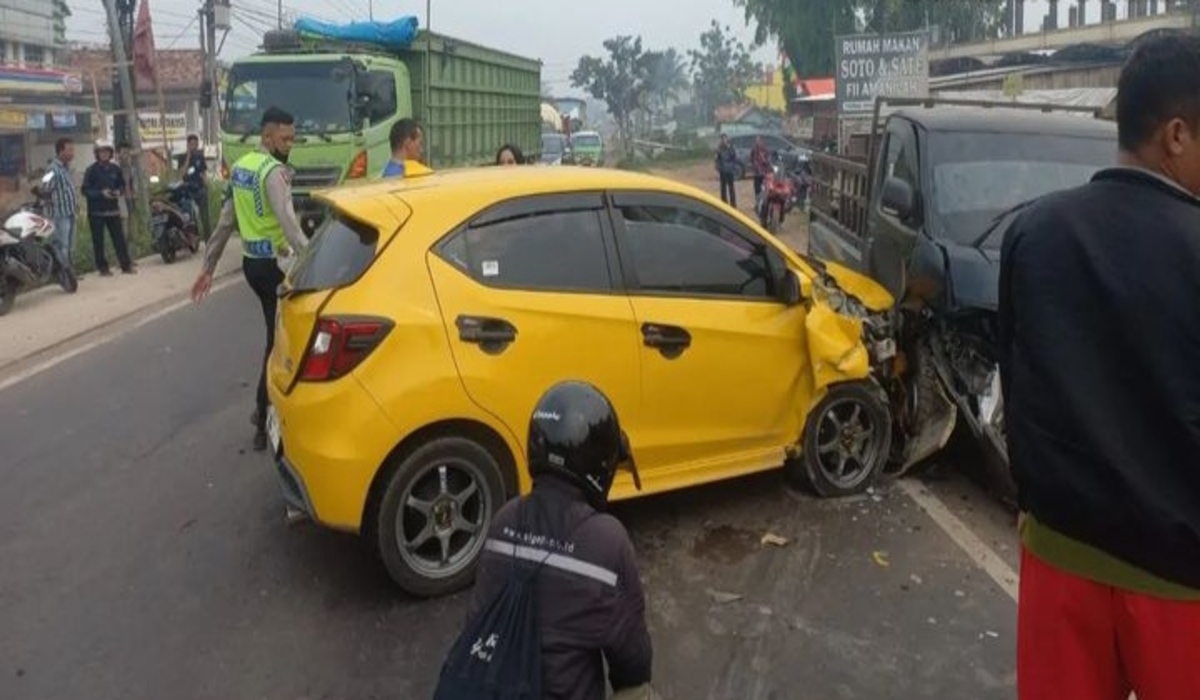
<point x="586" y="141"/>
<point x="977" y="176"/>
<point x="318" y="95"/>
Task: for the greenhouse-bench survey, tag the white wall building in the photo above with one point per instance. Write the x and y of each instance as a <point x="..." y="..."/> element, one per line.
<point x="32" y="32"/>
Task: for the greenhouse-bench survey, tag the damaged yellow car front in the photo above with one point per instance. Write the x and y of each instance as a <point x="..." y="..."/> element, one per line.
<point x="851" y="346"/>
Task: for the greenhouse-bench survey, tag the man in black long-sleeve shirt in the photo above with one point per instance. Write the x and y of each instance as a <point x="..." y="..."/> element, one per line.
<point x="591" y="608"/>
<point x="103" y="186"/>
<point x="1100" y="360"/>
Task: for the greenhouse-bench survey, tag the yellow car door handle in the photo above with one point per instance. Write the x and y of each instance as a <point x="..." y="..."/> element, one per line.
<point x="489" y="333"/>
<point x="671" y="341"/>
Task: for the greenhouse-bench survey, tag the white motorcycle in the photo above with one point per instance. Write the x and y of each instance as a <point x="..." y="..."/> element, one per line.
<point x="28" y="256"/>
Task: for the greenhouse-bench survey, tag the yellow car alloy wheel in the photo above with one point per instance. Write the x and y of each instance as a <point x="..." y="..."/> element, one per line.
<point x="846" y="439"/>
<point x="432" y="520"/>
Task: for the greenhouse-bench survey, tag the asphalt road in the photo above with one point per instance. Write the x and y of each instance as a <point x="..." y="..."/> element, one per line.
<point x="144" y="555"/>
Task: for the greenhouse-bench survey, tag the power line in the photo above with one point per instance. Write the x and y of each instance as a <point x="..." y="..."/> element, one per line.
<point x="100" y="13"/>
<point x="244" y="23"/>
<point x="259" y="24"/>
<point x="182" y="32"/>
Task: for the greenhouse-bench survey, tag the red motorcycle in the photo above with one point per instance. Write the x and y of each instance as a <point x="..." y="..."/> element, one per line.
<point x="777" y="197"/>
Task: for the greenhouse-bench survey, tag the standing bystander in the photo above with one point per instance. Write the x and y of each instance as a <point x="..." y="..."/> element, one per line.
<point x="103" y="186"/>
<point x="760" y="160"/>
<point x="406" y="139"/>
<point x="727" y="164"/>
<point x="1099" y="338"/>
<point x="63" y="202"/>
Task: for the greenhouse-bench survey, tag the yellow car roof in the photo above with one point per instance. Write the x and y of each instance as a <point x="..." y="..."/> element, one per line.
<point x="444" y="199"/>
<point x="468" y="190"/>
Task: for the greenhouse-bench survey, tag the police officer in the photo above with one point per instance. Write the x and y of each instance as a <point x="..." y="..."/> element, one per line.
<point x="258" y="203"/>
<point x="590" y="603"/>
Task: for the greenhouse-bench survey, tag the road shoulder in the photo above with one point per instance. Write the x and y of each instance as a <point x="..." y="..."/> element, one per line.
<point x="47" y="319"/>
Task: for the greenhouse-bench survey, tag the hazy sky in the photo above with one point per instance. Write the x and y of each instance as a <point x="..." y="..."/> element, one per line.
<point x="556" y="31"/>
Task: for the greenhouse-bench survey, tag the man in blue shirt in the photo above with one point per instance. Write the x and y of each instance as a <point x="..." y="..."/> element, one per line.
<point x="406" y="140"/>
<point x="62" y="203"/>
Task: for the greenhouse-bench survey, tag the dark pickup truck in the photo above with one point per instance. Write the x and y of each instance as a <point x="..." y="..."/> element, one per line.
<point x="924" y="214"/>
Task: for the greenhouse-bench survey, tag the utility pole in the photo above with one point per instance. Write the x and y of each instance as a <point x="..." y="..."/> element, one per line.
<point x="125" y="77"/>
<point x="121" y="33"/>
<point x="214" y="15"/>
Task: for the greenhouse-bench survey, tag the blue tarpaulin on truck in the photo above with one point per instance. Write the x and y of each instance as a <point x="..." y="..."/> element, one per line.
<point x="395" y="35"/>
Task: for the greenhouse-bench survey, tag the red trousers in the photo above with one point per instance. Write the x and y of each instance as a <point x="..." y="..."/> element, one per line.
<point x="1079" y="640"/>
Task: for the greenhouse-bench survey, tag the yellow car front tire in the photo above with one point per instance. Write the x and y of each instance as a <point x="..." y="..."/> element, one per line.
<point x="847" y="441"/>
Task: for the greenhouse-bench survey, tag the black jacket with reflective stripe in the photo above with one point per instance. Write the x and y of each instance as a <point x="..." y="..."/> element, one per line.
<point x="591" y="607"/>
<point x="1100" y="363"/>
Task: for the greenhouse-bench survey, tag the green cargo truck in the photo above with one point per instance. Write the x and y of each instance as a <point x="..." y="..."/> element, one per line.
<point x="345" y="97"/>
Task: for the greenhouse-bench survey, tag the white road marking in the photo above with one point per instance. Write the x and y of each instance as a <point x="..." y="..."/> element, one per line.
<point x="56" y="360"/>
<point x="970" y="543"/>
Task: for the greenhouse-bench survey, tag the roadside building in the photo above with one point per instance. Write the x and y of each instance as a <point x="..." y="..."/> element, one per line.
<point x="814" y="111"/>
<point x="41" y="100"/>
<point x="164" y="128"/>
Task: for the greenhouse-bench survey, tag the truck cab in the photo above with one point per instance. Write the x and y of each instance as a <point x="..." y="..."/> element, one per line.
<point x="344" y="105"/>
<point x="346" y="97"/>
<point x="935" y="179"/>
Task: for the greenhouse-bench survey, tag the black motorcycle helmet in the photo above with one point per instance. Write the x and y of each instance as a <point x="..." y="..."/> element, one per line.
<point x="574" y="432"/>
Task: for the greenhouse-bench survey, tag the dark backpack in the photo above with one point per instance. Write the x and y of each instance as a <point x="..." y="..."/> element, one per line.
<point x="498" y="655"/>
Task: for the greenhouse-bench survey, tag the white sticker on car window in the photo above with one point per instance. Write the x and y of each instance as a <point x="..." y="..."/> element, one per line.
<point x="491" y="268"/>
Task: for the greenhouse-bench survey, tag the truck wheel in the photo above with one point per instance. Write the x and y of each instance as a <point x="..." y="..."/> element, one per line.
<point x="433" y="518"/>
<point x="846" y="441"/>
<point x="925" y="415"/>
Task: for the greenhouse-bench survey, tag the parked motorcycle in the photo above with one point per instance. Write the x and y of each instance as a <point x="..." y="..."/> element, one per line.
<point x="776" y="198"/>
<point x="28" y="256"/>
<point x="173" y="218"/>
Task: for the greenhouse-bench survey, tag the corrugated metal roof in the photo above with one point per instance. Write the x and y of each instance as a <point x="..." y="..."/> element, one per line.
<point x="1066" y="97"/>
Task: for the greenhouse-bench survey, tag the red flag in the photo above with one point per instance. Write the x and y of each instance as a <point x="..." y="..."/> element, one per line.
<point x="143" y="45"/>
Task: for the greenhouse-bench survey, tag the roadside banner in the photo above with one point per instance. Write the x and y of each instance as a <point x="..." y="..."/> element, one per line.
<point x="888" y="65"/>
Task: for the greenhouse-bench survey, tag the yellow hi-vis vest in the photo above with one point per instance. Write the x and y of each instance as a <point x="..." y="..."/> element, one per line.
<point x="261" y="231"/>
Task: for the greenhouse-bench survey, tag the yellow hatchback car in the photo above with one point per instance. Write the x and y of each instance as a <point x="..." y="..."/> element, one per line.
<point x="426" y="317"/>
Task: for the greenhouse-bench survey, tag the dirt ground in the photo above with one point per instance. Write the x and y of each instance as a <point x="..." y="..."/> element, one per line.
<point x="702" y="176"/>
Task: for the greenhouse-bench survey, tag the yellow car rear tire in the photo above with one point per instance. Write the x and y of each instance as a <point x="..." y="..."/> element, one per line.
<point x="440" y="500"/>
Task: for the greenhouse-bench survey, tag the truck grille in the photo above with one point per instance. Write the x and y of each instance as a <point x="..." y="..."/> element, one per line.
<point x="315" y="178"/>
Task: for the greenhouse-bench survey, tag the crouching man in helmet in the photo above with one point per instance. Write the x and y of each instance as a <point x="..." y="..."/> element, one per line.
<point x="591" y="609"/>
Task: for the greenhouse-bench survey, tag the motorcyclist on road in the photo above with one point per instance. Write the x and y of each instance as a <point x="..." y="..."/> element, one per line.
<point x="591" y="609"/>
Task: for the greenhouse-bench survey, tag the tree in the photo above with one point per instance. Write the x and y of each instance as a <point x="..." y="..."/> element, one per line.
<point x="620" y="81"/>
<point x="666" y="77"/>
<point x="721" y="70"/>
<point x="806" y="30"/>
